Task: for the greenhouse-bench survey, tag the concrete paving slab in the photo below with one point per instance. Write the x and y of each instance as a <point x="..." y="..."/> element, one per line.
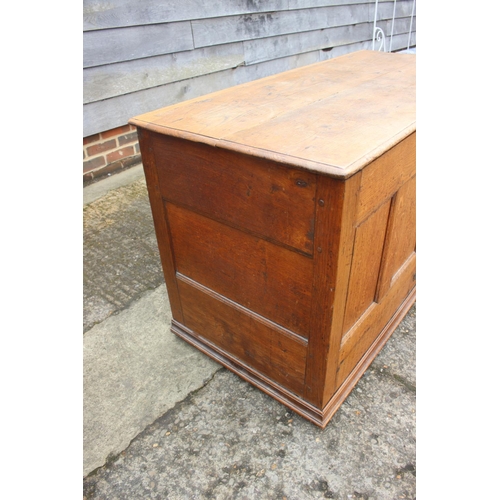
<point x="134" y="371"/>
<point x="100" y="188"/>
<point x="230" y="440"/>
<point x="120" y="253"/>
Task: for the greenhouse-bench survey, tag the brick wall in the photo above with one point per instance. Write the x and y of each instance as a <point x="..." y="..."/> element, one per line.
<point x="109" y="152"/>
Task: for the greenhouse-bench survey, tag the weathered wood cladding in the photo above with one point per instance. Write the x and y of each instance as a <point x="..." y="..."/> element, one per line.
<point x="140" y="58"/>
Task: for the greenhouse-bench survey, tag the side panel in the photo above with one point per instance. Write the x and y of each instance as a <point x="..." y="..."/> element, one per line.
<point x="383" y="268"/>
<point x="237" y="250"/>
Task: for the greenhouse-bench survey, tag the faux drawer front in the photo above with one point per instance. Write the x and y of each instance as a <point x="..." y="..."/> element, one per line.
<point x="267" y="279"/>
<point x="243" y="335"/>
<point x="260" y="196"/>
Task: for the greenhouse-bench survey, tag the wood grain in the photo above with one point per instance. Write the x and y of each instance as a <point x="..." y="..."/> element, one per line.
<point x="256" y="343"/>
<point x="111" y="80"/>
<point x="227" y="187"/>
<point x="358" y="340"/>
<point x="265" y="49"/>
<point x="367" y="254"/>
<point x="162" y="229"/>
<point x="384" y="176"/>
<point x="345" y="385"/>
<point x="126" y="44"/>
<point x="263" y="277"/>
<point x="401" y="236"/>
<point x="340" y="286"/>
<point x="98" y="14"/>
<point x="332" y="244"/>
<point x="352" y="111"/>
<point x="228" y="29"/>
<point x="113" y="112"/>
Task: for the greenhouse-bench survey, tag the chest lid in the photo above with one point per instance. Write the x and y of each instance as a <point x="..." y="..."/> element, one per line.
<point x="332" y="117"/>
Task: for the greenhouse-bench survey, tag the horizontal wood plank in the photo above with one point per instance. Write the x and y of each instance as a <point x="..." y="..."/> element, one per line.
<point x="127" y="44"/>
<point x="228" y="187"/>
<point x="99" y="14"/>
<point x="111" y="80"/>
<point x="249" y="27"/>
<point x="264" y="49"/>
<point x="400" y="42"/>
<point x="308" y="4"/>
<point x="242" y="335"/>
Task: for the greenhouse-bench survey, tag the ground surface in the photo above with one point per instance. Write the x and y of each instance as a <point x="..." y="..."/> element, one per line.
<point x="164" y="422"/>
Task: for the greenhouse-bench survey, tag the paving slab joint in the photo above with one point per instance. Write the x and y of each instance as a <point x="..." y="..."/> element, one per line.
<point x="113" y="457"/>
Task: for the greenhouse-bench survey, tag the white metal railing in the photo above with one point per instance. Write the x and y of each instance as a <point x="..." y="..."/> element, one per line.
<point x="379" y="35"/>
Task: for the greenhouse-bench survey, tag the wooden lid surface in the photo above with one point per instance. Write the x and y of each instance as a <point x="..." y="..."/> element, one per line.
<point x="333" y="117"/>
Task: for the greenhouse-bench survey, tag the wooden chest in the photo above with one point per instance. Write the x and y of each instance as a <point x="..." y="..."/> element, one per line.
<point x="284" y="210"/>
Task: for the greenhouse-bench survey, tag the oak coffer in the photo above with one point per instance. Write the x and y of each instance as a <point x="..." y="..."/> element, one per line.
<point x="284" y="210"/>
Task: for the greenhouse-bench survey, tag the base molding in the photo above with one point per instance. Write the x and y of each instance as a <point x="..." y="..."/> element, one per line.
<point x="350" y="382"/>
<point x="317" y="416"/>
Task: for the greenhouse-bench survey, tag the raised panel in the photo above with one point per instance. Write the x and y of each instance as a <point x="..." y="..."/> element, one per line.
<point x="229" y="186"/>
<point x="361" y="336"/>
<point x="268" y="279"/>
<point x="367" y="254"/>
<point x="401" y="236"/>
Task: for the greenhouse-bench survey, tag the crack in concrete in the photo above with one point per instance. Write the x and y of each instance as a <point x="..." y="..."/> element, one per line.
<point x="112" y="458"/>
<point x="380" y="370"/>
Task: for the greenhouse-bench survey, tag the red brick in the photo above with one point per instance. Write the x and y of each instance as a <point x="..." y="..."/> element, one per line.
<point x="101" y="148"/>
<point x="115" y="131"/>
<point x="121" y="153"/>
<point x="90" y="138"/>
<point x="93" y="164"/>
<point x="130" y="161"/>
<point x="127" y="138"/>
<point x="87" y="177"/>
